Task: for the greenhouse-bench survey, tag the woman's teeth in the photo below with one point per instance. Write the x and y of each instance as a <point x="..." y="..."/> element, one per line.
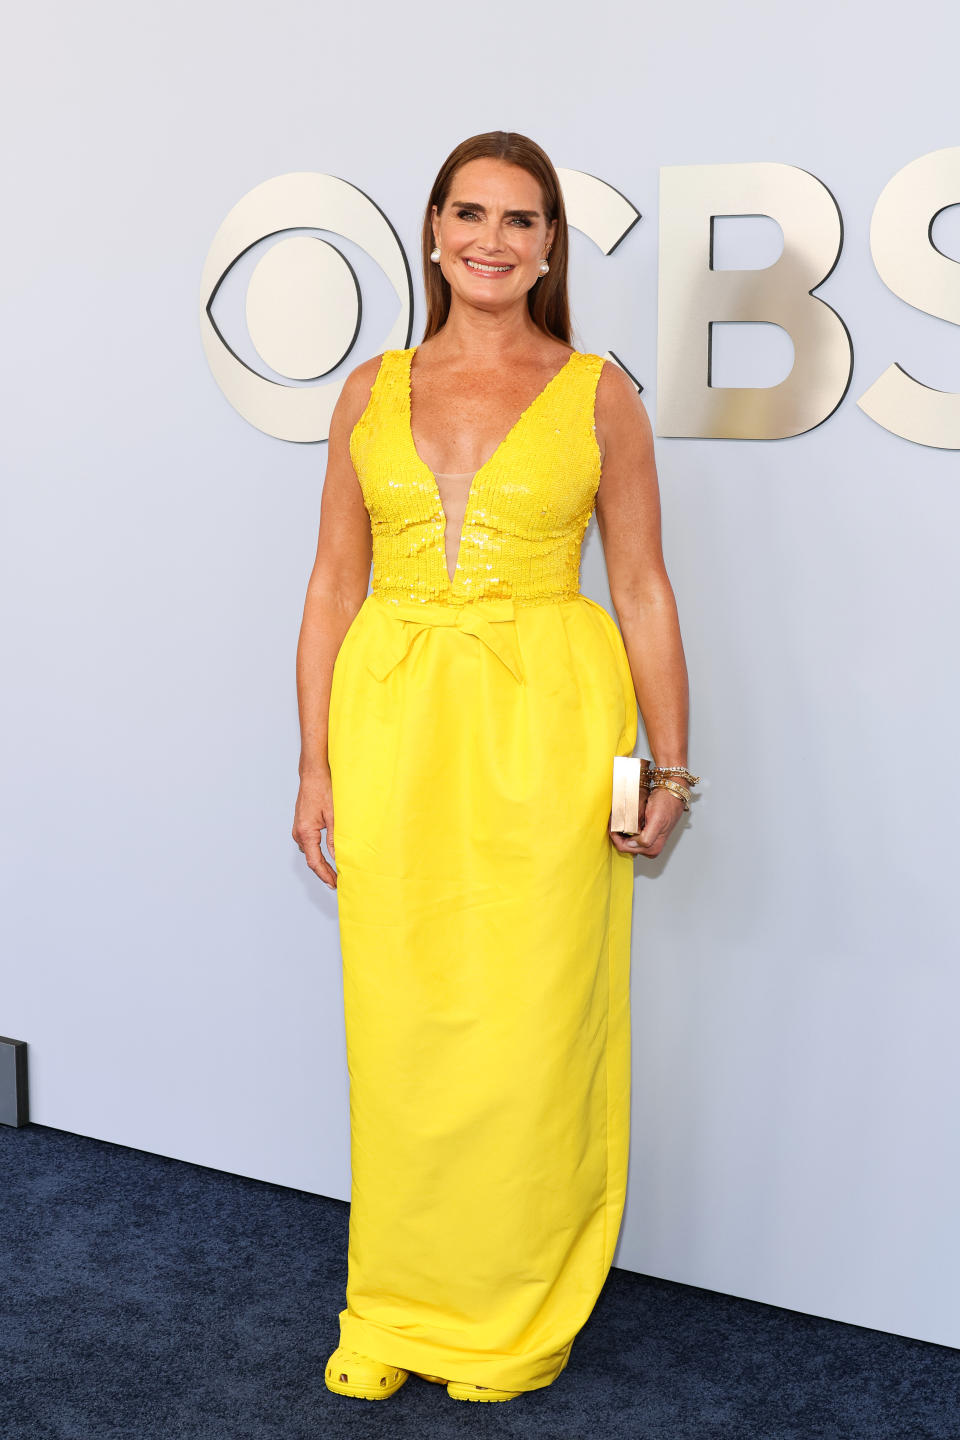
<point x="488" y="269"/>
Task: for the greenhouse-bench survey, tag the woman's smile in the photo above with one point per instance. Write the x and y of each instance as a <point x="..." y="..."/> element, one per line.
<point x="479" y="267"/>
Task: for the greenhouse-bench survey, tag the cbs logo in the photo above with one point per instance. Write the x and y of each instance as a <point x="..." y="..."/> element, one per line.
<point x="303" y="300"/>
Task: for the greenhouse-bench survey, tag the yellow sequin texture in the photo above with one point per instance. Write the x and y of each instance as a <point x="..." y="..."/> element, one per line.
<point x="528" y="506"/>
<point x="484" y="913"/>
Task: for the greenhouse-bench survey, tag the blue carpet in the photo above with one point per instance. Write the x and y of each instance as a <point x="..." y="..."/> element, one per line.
<point x="147" y="1299"/>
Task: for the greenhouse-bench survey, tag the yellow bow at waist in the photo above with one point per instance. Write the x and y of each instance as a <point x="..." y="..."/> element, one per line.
<point x="482" y="618"/>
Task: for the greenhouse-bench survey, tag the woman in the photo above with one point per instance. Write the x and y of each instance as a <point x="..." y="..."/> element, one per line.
<point x="460" y="723"/>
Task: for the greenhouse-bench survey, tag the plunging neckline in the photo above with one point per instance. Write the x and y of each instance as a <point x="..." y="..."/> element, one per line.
<point x="472" y="490"/>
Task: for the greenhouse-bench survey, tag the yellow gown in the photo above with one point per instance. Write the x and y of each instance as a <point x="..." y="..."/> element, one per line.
<point x="484" y="912"/>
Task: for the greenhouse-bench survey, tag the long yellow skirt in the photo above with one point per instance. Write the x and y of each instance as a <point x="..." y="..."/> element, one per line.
<point x="485" y="933"/>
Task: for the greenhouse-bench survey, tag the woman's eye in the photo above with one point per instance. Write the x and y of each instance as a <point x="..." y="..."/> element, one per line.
<point x="522" y="219"/>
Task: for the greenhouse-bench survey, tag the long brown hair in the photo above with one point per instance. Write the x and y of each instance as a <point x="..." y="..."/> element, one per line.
<point x="547" y="299"/>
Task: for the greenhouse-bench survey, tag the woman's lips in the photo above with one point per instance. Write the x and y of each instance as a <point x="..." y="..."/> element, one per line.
<point x="487" y="274"/>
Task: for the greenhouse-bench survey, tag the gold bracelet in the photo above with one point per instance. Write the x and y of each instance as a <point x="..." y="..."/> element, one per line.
<point x="675" y="788"/>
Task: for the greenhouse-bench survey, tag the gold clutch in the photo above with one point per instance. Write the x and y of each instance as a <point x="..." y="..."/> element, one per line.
<point x="629" y="777"/>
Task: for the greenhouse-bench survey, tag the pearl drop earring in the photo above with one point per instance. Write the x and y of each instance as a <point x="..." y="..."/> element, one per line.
<point x="435" y="253"/>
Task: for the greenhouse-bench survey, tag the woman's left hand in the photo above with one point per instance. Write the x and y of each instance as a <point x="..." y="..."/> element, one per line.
<point x="662" y="811"/>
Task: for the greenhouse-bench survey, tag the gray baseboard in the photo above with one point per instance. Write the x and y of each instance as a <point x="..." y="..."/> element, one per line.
<point x="14" y="1106"/>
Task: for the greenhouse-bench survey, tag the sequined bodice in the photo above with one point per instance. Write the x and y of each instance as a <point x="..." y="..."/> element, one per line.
<point x="527" y="507"/>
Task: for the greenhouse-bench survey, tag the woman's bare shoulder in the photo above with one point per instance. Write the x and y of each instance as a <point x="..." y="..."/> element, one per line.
<point x="619" y="409"/>
<point x="357" y="389"/>
<point x="615" y="386"/>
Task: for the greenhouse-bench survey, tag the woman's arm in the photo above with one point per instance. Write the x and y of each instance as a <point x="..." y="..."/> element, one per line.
<point x="628" y="518"/>
<point x="335" y="591"/>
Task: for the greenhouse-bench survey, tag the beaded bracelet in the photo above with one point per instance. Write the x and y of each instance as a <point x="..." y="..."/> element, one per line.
<point x="660" y="770"/>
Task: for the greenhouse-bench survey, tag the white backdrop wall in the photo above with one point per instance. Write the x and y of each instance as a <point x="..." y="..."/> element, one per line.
<point x="167" y="955"/>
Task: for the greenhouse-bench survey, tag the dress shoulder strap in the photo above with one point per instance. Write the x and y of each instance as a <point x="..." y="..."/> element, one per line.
<point x="591" y="364"/>
<point x="590" y="368"/>
<point x="391" y="368"/>
<point x="577" y="383"/>
<point x="385" y="405"/>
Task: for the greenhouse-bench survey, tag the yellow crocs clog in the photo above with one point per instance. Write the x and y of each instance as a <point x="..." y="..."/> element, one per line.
<point x="461" y="1390"/>
<point x="434" y="1379"/>
<point x="349" y="1373"/>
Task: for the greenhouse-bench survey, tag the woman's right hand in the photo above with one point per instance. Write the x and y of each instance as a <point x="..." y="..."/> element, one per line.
<point x="313" y="815"/>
